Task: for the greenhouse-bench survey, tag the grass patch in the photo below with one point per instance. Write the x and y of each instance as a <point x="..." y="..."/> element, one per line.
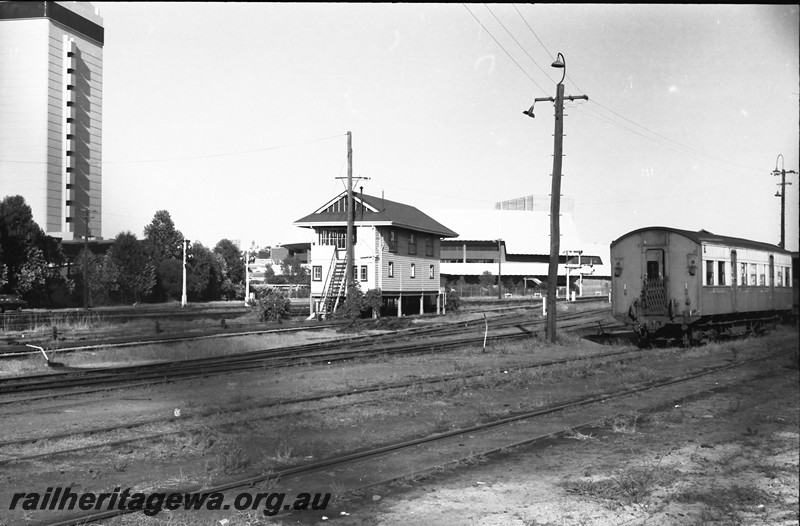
<point x="725" y="503"/>
<point x="629" y="486"/>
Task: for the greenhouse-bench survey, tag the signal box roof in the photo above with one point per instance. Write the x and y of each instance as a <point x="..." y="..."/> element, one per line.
<point x="374" y="211"/>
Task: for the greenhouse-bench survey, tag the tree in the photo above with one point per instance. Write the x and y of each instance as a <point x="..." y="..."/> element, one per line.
<point x="170" y="278"/>
<point x="234" y="260"/>
<point x="30" y="258"/>
<point x="294" y="271"/>
<point x="18" y="232"/>
<point x="486" y="280"/>
<point x="135" y="272"/>
<point x="204" y="276"/>
<point x="163" y="239"/>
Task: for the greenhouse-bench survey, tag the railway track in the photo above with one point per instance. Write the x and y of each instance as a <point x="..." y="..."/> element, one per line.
<point x="521" y="428"/>
<point x="382" y="388"/>
<point x="429" y="339"/>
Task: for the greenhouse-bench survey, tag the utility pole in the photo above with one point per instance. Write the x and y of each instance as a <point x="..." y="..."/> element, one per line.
<point x="86" y="259"/>
<point x="183" y="294"/>
<point x="555" y="196"/>
<point x="499" y="271"/>
<point x="350" y="216"/>
<point x="782" y="195"/>
<point x="246" y="276"/>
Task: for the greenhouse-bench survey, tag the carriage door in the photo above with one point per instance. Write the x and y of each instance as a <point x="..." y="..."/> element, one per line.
<point x="734" y="280"/>
<point x="655" y="290"/>
<point x="771" y="281"/>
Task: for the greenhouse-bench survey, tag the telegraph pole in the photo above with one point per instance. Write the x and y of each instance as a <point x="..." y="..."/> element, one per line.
<point x="555" y="196"/>
<point x="350" y="215"/>
<point x="86" y="260"/>
<point x="183" y="294"/>
<point x="782" y="195"/>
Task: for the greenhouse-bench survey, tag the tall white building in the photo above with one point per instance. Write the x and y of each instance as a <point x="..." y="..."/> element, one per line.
<point x="51" y="95"/>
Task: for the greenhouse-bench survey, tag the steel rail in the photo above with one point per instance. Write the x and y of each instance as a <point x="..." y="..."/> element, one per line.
<point x="232" y="363"/>
<point x="362" y="455"/>
<point x="291" y="401"/>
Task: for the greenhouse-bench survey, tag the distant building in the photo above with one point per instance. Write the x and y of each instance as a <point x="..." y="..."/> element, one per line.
<point x="51" y="95"/>
<point x="515" y="244"/>
<point x="535" y="203"/>
<point x="396" y="249"/>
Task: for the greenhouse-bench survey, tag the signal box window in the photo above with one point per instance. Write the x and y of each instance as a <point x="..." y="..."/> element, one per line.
<point x="412" y="244"/>
<point x="413" y="270"/>
<point x="392" y="241"/>
<point x="390" y="271"/>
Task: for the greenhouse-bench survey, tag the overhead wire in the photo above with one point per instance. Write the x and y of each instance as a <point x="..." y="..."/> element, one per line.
<point x="593" y="100"/>
<point x="504" y="49"/>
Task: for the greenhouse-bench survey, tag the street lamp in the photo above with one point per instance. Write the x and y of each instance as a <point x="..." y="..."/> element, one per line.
<point x="555" y="194"/>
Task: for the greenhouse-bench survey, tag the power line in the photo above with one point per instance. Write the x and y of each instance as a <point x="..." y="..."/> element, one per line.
<point x="504" y="49"/>
<point x="517" y="42"/>
<point x="594" y="100"/>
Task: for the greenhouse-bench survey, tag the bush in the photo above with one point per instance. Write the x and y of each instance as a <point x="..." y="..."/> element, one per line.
<point x="273" y="306"/>
<point x="359" y="305"/>
<point x="453" y="302"/>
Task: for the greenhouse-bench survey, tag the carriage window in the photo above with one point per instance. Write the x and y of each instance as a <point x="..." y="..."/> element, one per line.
<point x="743" y="274"/>
<point x="709" y="273"/>
<point x="753" y="274"/>
<point x="787" y="277"/>
<point x="779" y="279"/>
<point x="655" y="260"/>
<point x="762" y="276"/>
<point x="721" y="272"/>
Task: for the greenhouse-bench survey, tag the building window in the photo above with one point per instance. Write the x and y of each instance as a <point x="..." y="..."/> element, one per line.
<point x="430" y="272"/>
<point x="390" y="271"/>
<point x="428" y="246"/>
<point x="412" y="244"/>
<point x="709" y="273"/>
<point x="317" y="273"/>
<point x="334" y="236"/>
<point x="413" y="270"/>
<point x="392" y="241"/>
<point x="721" y="272"/>
<point x="363" y="273"/>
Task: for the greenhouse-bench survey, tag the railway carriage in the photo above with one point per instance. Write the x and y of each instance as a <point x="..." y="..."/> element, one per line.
<point x="692" y="286"/>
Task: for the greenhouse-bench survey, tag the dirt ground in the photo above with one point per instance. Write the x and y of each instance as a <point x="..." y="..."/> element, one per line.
<point x="726" y="457"/>
<point x="729" y="458"/>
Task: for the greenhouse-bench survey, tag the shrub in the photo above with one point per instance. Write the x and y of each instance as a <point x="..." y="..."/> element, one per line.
<point x="359" y="305"/>
<point x="272" y="306"/>
<point x="453" y="302"/>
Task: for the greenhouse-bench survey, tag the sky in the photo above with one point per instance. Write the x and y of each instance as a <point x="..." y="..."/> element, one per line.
<point x="233" y="116"/>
